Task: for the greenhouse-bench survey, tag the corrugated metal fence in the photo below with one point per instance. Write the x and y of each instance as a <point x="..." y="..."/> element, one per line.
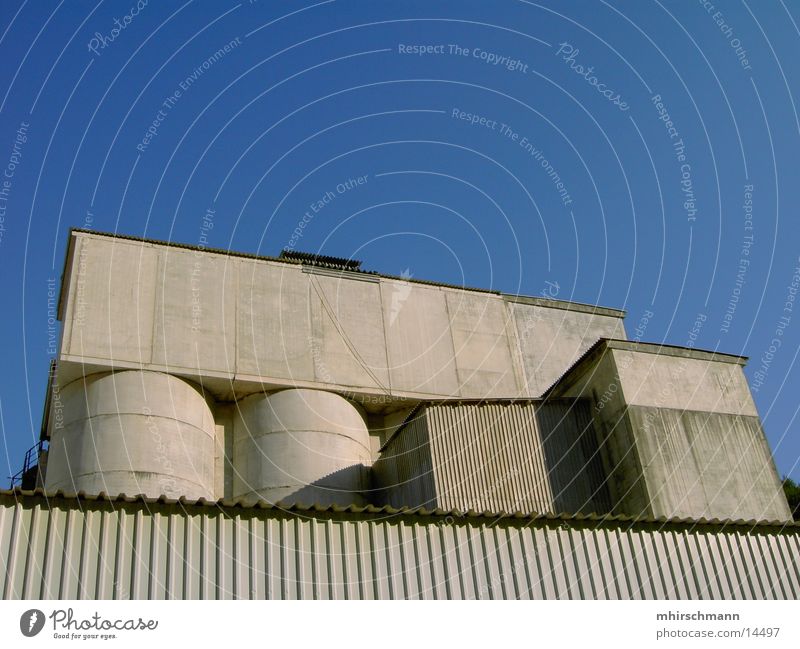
<point x="64" y="547"/>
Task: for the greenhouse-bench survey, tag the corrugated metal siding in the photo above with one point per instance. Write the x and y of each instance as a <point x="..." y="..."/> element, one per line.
<point x="496" y="456"/>
<point x="488" y="457"/>
<point x="94" y="549"/>
<point x="574" y="463"/>
<point x="403" y="474"/>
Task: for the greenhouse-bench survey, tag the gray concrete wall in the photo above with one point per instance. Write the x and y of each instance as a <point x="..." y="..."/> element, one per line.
<point x="683" y="381"/>
<point x="707" y="465"/>
<point x="551" y="339"/>
<point x="242" y="324"/>
<point x="679" y="433"/>
<point x="224" y="470"/>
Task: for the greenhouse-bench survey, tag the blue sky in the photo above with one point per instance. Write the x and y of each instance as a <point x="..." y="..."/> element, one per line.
<point x="638" y="155"/>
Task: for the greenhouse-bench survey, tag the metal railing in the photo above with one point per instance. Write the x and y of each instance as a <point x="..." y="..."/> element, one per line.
<point x="30" y="461"/>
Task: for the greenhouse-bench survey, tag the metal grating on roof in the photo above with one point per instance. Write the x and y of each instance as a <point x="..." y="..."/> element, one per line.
<point x="324" y="261"/>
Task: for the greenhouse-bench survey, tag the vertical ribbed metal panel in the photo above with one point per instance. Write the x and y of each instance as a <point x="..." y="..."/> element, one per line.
<point x="496" y="456"/>
<point x="488" y="457"/>
<point x="574" y="464"/>
<point x="76" y="549"/>
<point x="403" y="474"/>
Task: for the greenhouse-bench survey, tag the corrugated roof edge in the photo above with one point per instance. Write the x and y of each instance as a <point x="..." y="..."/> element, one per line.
<point x="39" y="493"/>
<point x="564" y="304"/>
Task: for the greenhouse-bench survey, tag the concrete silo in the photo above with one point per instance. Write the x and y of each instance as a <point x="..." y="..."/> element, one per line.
<point x="133" y="432"/>
<point x="300" y="446"/>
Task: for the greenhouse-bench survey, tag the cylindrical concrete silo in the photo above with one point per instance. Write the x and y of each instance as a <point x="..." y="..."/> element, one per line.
<point x="133" y="432"/>
<point x="300" y="446"/>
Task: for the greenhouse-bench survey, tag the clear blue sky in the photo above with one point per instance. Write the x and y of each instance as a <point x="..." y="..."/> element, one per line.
<point x="140" y="126"/>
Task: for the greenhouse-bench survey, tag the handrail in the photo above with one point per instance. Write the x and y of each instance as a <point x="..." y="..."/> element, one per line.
<point x="30" y="461"/>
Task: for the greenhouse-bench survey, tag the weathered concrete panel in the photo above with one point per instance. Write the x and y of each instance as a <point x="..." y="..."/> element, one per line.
<point x="349" y="346"/>
<point x="665" y="381"/>
<point x="419" y="339"/>
<point x="238" y="324"/>
<point x="700" y="464"/>
<point x="274" y="322"/>
<point x="112" y="300"/>
<point x="224" y="471"/>
<point x="480" y="327"/>
<point x="195" y="314"/>
<point x="552" y="339"/>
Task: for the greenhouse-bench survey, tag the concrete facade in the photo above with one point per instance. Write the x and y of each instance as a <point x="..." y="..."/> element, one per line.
<point x="239" y="324"/>
<point x="679" y="432"/>
<point x="312" y="382"/>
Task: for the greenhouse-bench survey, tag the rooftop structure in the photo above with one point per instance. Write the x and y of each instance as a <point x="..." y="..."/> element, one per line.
<point x="275" y="385"/>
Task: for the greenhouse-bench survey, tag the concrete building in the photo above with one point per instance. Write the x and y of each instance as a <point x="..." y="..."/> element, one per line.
<point x="398" y="438"/>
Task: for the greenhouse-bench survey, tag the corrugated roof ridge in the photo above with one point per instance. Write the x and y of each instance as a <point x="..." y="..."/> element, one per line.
<point x="388" y="509"/>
